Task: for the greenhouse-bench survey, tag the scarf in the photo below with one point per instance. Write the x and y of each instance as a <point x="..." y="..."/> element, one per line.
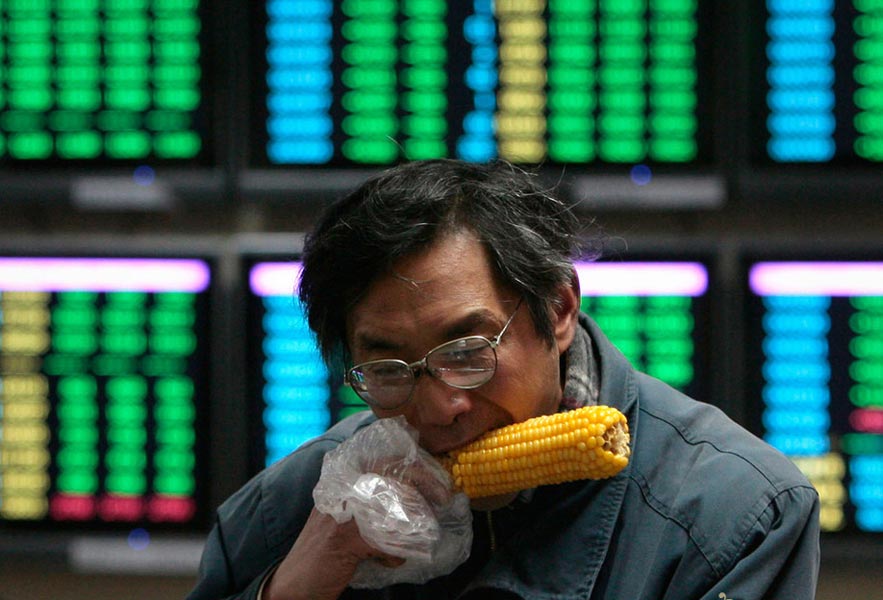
<point x="582" y="383"/>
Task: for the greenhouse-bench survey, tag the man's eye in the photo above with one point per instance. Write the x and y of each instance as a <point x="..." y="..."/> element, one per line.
<point x="463" y="354"/>
<point x="385" y="373"/>
<point x="460" y="354"/>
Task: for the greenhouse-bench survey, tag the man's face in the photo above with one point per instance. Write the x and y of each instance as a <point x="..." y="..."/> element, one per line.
<point x="446" y="292"/>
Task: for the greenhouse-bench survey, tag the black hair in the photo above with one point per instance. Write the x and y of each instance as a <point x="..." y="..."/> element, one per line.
<point x="531" y="236"/>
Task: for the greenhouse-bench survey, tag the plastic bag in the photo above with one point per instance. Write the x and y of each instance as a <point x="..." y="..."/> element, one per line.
<point x="402" y="500"/>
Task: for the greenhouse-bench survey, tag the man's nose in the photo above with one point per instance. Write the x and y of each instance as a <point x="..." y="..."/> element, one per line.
<point x="436" y="403"/>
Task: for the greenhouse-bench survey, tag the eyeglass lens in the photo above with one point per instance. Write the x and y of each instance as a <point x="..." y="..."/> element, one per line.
<point x="465" y="363"/>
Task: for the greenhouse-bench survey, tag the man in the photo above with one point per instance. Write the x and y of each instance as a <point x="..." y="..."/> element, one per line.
<point x="400" y="271"/>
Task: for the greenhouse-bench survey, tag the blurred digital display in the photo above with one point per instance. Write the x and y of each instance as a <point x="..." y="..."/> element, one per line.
<point x="103" y="371"/>
<point x="816" y="379"/>
<point x="101" y="80"/>
<point x="822" y="85"/>
<point x="300" y="398"/>
<point x="653" y="311"/>
<point x="372" y="82"/>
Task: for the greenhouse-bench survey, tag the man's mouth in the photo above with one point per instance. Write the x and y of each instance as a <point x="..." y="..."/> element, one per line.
<point x="446" y="448"/>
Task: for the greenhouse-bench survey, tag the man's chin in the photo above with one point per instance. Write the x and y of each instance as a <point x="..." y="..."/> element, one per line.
<point x="492" y="502"/>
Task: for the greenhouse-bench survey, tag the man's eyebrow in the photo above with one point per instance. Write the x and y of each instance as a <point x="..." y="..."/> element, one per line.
<point x="471" y="323"/>
<point x="368" y="342"/>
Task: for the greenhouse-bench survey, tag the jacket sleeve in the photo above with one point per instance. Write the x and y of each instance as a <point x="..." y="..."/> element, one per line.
<point x="216" y="579"/>
<point x="779" y="557"/>
<point x="255" y="528"/>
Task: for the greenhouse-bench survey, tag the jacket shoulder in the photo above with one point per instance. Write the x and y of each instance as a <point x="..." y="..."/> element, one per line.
<point x="698" y="468"/>
<point x="698" y="434"/>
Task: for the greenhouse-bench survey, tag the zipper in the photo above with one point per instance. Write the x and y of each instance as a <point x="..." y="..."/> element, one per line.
<point x="492" y="537"/>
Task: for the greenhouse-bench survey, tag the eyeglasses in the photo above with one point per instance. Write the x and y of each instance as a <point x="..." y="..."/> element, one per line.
<point x="465" y="363"/>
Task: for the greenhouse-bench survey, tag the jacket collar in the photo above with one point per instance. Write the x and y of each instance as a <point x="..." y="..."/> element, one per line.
<point x="575" y="520"/>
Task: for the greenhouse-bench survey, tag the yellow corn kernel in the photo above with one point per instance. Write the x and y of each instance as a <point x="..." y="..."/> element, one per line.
<point x="587" y="443"/>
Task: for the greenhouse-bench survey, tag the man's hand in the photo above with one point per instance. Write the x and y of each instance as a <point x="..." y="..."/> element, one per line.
<point x="322" y="561"/>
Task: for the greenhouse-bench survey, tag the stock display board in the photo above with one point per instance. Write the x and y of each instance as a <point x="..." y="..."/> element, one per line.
<point x="103" y="390"/>
<point x="101" y="81"/>
<point x="372" y="82"/>
<point x="815" y="349"/>
<point x="300" y="398"/>
<point x="819" y="82"/>
<point x="655" y="312"/>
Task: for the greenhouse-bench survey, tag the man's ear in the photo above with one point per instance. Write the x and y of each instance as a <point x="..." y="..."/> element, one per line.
<point x="564" y="313"/>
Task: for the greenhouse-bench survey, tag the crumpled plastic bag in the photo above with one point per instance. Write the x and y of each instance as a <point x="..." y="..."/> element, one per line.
<point x="402" y="500"/>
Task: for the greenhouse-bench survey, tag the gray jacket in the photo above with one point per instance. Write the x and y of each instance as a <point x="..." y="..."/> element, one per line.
<point x="703" y="511"/>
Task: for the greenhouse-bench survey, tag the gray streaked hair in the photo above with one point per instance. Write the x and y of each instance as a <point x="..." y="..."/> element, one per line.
<point x="532" y="238"/>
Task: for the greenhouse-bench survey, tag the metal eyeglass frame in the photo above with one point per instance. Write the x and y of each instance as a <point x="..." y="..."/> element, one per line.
<point x="419" y="367"/>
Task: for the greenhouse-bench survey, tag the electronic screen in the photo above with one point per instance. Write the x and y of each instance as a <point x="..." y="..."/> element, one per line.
<point x="815" y="379"/>
<point x="655" y="312"/>
<point x="300" y="399"/>
<point x="102" y="82"/>
<point x="103" y="390"/>
<point x="372" y="83"/>
<point x="818" y="82"/>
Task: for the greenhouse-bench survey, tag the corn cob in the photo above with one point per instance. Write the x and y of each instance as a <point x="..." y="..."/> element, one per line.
<point x="587" y="443"/>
